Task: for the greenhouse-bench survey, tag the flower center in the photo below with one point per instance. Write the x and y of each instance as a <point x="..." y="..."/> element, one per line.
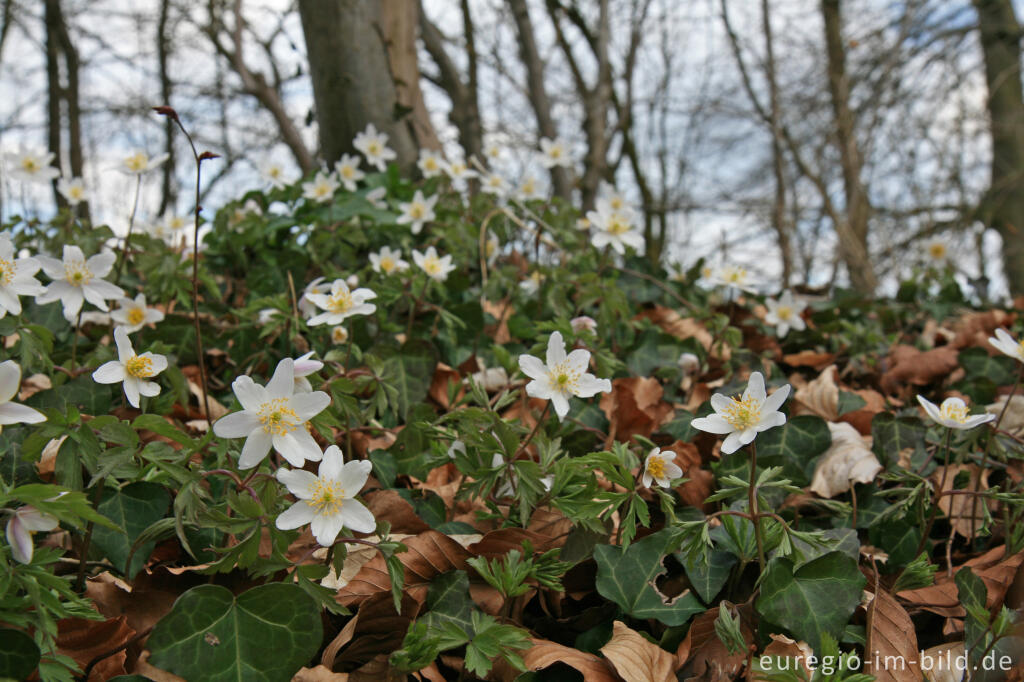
<point x="784" y="312"/>
<point x="75" y="191"/>
<point x="618" y="226"/>
<point x="555" y="153"/>
<point x="616" y="203"/>
<point x="656" y="467"/>
<point x="373" y="148"/>
<point x="458" y="168"/>
<point x="328" y="497"/>
<point x="29" y="164"/>
<point x="387" y="264"/>
<point x="77" y="274"/>
<point x="136" y="162"/>
<point x="277" y="418"/>
<point x="937" y="251"/>
<point x="742" y="414"/>
<point x="139" y="367"/>
<point x="323" y="189"/>
<point x="954" y="412"/>
<point x="340" y="302"/>
<point x="348" y="172"/>
<point x="430" y="163"/>
<point x="7" y="271"/>
<point x="416" y="211"/>
<point x="432" y="266"/>
<point x="136" y="316"/>
<point x="564" y="378"/>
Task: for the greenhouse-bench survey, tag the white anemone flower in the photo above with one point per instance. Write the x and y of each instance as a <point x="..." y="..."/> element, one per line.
<point x="273" y="416"/>
<point x="460" y="173"/>
<point x="531" y="285"/>
<point x="135" y="371"/>
<point x="14" y="413"/>
<point x="785" y="314"/>
<point x="660" y="467"/>
<point x="317" y="286"/>
<point x="554" y="153"/>
<point x="562" y="377"/>
<point x="743" y="418"/>
<point x="953" y="414"/>
<point x="16" y="278"/>
<point x="437" y="268"/>
<point x="1005" y="343"/>
<point x="417" y="212"/>
<point x="339" y="335"/>
<point x="304" y="366"/>
<point x="138" y="162"/>
<point x="374" y="146"/>
<point x="733" y="277"/>
<point x="31" y="166"/>
<point x="615" y="228"/>
<point x="134" y="315"/>
<point x="321" y="188"/>
<point x="274" y="173"/>
<point x="377" y="196"/>
<point x="347" y="168"/>
<point x="341" y="304"/>
<point x="76" y="280"/>
<point x="937" y="251"/>
<point x="496" y="185"/>
<point x="327" y="500"/>
<point x="73" y="190"/>
<point x="583" y="323"/>
<point x="388" y="260"/>
<point x="611" y="196"/>
<point x="430" y="163"/>
<point x="529" y="189"/>
<point x="23" y="522"/>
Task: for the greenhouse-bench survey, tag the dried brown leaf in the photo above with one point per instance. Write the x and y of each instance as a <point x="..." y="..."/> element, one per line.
<point x="890" y="633"/>
<point x="544" y="654"/>
<point x="848" y="460"/>
<point x="83" y="640"/>
<point x="636" y="659"/>
<point x="908" y="365"/>
<point x="634" y="407"/>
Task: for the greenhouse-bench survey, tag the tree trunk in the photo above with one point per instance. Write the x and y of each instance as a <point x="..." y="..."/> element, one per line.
<point x="1003" y="206"/>
<point x="60" y="48"/>
<point x="853" y="235"/>
<point x="782" y="231"/>
<point x="538" y="95"/>
<point x="168" y="187"/>
<point x="363" y="67"/>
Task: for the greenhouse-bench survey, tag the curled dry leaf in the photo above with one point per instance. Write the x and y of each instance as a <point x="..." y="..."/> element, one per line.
<point x="319" y="674"/>
<point x="995" y="569"/>
<point x="83" y="640"/>
<point x="1013" y="419"/>
<point x="960" y="508"/>
<point x="975" y="328"/>
<point x="680" y="327"/>
<point x="634" y="407"/>
<point x="48" y="459"/>
<point x="544" y="654"/>
<point x="501" y="312"/>
<point x="890" y="636"/>
<point x="848" y="460"/>
<point x="355" y="558"/>
<point x="908" y="365"/>
<point x="809" y="358"/>
<point x="703" y="653"/>
<point x="439" y="385"/>
<point x="429" y="555"/>
<point x="951" y="651"/>
<point x="820" y="397"/>
<point x="388" y="505"/>
<point x="32" y="385"/>
<point x="783" y="647"/>
<point x="636" y="659"/>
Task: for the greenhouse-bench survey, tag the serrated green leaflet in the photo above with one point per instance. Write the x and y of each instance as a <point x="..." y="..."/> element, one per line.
<point x="264" y="635"/>
<point x="134" y="508"/>
<point x="815" y="599"/>
<point x="409" y="369"/>
<point x="627" y="578"/>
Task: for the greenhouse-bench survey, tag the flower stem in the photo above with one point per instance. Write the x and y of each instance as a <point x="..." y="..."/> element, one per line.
<point x="937" y="497"/>
<point x="988" y="445"/>
<point x="128" y="237"/>
<point x="752" y="504"/>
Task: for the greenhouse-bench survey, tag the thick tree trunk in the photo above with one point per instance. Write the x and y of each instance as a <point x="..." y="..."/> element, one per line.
<point x="782" y="230"/>
<point x="168" y="187"/>
<point x="59" y="48"/>
<point x="1003" y="207"/>
<point x="363" y="68"/>
<point x="538" y="95"/>
<point x="853" y="235"/>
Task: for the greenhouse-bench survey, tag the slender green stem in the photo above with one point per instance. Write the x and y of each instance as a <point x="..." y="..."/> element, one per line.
<point x="752" y="503"/>
<point x="988" y="445"/>
<point x="97" y="496"/>
<point x="74" y="339"/>
<point x="937" y="496"/>
<point x="128" y="237"/>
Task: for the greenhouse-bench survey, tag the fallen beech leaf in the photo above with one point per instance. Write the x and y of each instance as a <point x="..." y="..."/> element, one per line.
<point x="501" y="312"/>
<point x="379" y="630"/>
<point x="1013" y="419"/>
<point x="908" y="365"/>
<point x="701" y="483"/>
<point x="32" y="385"/>
<point x="944" y="652"/>
<point x="637" y="659"/>
<point x="848" y="460"/>
<point x="216" y="409"/>
<point x="705" y="656"/>
<point x="680" y="327"/>
<point x="544" y="654"/>
<point x="959" y="508"/>
<point x="550" y="524"/>
<point x="429" y="554"/>
<point x="48" y="459"/>
<point x="319" y="674"/>
<point x="634" y="407"/>
<point x="388" y="505"/>
<point x="890" y="633"/>
<point x="975" y="328"/>
<point x="783" y="647"/>
<point x="809" y="358"/>
<point x="820" y="397"/>
<point x="443" y="377"/>
<point x="83" y="640"/>
<point x="995" y="570"/>
<point x="356" y="557"/>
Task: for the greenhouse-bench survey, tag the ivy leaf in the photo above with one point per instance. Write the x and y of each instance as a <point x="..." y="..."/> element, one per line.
<point x="19" y="655"/>
<point x="264" y="635"/>
<point x="817" y="598"/>
<point x="448" y="601"/>
<point x="708" y="578"/>
<point x="627" y="578"/>
<point x="134" y="508"/>
<point x="793" y="445"/>
<point x="890" y="434"/>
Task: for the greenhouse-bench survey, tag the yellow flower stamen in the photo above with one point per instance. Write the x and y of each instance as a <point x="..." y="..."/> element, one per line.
<point x="656" y="467"/>
<point x="954" y="412"/>
<point x="139" y="367"/>
<point x="7" y="271"/>
<point x="416" y="211"/>
<point x="340" y="302"/>
<point x="29" y="164"/>
<point x="328" y="497"/>
<point x="784" y="312"/>
<point x="277" y="418"/>
<point x="432" y="266"/>
<point x="387" y="264"/>
<point x="77" y="274"/>
<point x="742" y="414"/>
<point x="565" y="378"/>
<point x="136" y="316"/>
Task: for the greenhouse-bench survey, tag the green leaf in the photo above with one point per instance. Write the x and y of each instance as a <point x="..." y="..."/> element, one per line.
<point x="978" y="364"/>
<point x="890" y="434"/>
<point x="134" y="508"/>
<point x="627" y="578"/>
<point x="793" y="445"/>
<point x="849" y="402"/>
<point x="19" y="654"/>
<point x="448" y="601"/>
<point x="410" y="369"/>
<point x="817" y="598"/>
<point x="263" y="635"/>
<point x="708" y="579"/>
